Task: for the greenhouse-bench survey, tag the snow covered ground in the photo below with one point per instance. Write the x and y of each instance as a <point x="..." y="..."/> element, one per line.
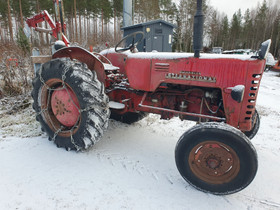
<point x="132" y="167"/>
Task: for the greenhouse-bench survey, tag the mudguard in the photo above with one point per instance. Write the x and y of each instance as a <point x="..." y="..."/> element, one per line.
<point x="84" y="56"/>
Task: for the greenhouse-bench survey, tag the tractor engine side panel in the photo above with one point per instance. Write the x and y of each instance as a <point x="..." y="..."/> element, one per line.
<point x="138" y="72"/>
<point x="216" y="73"/>
<point x="222" y="73"/>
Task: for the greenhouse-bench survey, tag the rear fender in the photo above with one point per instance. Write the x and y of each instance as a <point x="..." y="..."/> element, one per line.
<point x="84" y="56"/>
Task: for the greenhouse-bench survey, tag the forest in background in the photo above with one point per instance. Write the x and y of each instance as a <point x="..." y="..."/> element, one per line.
<point x="96" y="22"/>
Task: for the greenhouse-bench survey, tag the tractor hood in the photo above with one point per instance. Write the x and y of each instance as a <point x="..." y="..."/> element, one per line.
<point x="168" y="56"/>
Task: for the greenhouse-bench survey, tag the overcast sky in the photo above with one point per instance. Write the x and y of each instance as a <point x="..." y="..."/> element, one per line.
<point x="229" y="7"/>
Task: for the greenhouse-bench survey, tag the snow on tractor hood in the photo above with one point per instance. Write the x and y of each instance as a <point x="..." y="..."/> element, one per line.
<point x="112" y="50"/>
<point x="165" y="55"/>
<point x="171" y="55"/>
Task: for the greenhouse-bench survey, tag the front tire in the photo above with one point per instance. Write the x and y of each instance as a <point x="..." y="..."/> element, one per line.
<point x="70" y="103"/>
<point x="251" y="134"/>
<point x="216" y="158"/>
<point x="128" y="117"/>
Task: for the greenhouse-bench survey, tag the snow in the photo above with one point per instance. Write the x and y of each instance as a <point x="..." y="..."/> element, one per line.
<point x="164" y="55"/>
<point x="171" y="55"/>
<point x="270" y="61"/>
<point x="237" y="88"/>
<point x="132" y="167"/>
<point x="110" y="67"/>
<point x="112" y="50"/>
<point x="116" y="105"/>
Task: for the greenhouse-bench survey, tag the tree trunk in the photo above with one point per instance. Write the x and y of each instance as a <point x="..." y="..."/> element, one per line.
<point x="102" y="25"/>
<point x="76" y="25"/>
<point x="276" y="44"/>
<point x="115" y="27"/>
<point x="80" y="23"/>
<point x="10" y="22"/>
<point x="47" y="34"/>
<point x="89" y="30"/>
<point x="85" y="29"/>
<point x="95" y="30"/>
<point x="71" y="30"/>
<point x="40" y="24"/>
<point x="21" y="16"/>
<point x="16" y="22"/>
<point x="1" y="34"/>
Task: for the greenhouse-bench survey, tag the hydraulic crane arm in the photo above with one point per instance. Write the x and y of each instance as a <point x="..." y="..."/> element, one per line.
<point x="56" y="28"/>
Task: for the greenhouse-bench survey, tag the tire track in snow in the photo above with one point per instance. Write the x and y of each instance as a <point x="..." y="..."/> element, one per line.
<point x="266" y="204"/>
<point x="130" y="165"/>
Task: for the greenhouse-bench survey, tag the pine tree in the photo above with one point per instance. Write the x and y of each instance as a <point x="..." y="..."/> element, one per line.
<point x="22" y="41"/>
<point x="247" y="34"/>
<point x="260" y="22"/>
<point x="235" y="30"/>
<point x="214" y="31"/>
<point x="118" y="9"/>
<point x="147" y="12"/>
<point x="275" y="48"/>
<point x="224" y="32"/>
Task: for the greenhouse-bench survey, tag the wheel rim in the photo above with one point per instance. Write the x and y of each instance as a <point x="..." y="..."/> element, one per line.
<point x="214" y="162"/>
<point x="60" y="107"/>
<point x="64" y="106"/>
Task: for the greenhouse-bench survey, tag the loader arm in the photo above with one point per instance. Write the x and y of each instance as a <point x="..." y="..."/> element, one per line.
<point x="56" y="27"/>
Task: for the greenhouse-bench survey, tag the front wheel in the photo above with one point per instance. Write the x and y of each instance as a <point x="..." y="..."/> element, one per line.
<point x="216" y="158"/>
<point x="256" y="120"/>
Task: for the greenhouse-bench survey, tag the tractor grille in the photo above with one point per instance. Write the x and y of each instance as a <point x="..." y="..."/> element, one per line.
<point x="255" y="83"/>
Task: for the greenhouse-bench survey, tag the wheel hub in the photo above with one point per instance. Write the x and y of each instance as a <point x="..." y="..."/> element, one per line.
<point x="65" y="106"/>
<point x="214" y="162"/>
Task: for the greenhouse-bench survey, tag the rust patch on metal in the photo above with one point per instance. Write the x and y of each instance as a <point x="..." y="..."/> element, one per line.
<point x="214" y="162"/>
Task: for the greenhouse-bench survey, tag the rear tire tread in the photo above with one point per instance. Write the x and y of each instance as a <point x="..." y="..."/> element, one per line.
<point x="90" y="94"/>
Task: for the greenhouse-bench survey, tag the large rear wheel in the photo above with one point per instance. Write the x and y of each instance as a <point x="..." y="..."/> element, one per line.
<point x="70" y="103"/>
<point x="216" y="158"/>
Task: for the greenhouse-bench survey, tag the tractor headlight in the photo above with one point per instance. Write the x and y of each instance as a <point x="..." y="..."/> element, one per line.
<point x="237" y="93"/>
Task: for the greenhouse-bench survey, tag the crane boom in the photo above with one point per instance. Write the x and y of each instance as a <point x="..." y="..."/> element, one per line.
<point x="57" y="29"/>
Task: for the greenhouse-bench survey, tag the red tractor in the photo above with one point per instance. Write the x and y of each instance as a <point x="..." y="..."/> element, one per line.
<point x="276" y="66"/>
<point x="76" y="92"/>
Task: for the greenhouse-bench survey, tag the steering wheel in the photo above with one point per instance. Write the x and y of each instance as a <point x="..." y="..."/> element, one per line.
<point x="135" y="41"/>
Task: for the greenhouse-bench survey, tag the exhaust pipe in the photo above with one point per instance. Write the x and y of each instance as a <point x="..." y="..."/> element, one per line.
<point x="127" y="13"/>
<point x="198" y="30"/>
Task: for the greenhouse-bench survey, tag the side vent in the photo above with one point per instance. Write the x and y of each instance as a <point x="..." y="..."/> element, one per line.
<point x="162" y="67"/>
<point x="255" y="82"/>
